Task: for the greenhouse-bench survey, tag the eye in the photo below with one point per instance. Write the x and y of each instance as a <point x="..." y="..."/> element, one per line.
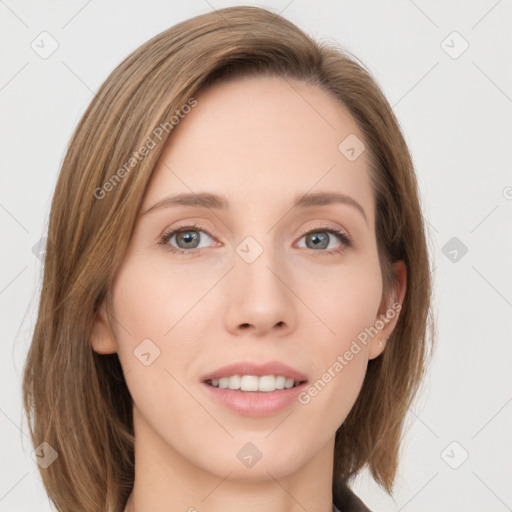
<point x="187" y="239"/>
<point x="321" y="238"/>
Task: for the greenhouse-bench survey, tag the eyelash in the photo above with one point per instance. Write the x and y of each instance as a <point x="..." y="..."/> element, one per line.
<point x="342" y="237"/>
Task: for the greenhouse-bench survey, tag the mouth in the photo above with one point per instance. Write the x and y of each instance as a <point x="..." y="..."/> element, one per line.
<point x="252" y="402"/>
<point x="255" y="384"/>
<point x="252" y="388"/>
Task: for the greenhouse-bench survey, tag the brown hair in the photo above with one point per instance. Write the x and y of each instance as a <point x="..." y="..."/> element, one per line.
<point x="76" y="399"/>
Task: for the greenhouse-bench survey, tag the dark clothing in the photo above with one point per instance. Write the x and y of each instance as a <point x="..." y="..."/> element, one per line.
<point x="345" y="500"/>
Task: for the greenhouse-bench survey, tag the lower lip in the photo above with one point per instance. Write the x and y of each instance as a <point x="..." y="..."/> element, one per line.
<point x="255" y="403"/>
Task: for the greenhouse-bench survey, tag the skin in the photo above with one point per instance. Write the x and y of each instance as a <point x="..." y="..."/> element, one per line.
<point x="260" y="143"/>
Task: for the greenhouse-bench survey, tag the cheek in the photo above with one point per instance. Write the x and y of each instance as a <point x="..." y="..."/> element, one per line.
<point x="153" y="305"/>
<point x="345" y="299"/>
<point x="151" y="298"/>
<point x="159" y="319"/>
<point x="346" y="302"/>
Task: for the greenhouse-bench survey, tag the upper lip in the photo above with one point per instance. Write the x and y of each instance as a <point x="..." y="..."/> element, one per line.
<point x="257" y="369"/>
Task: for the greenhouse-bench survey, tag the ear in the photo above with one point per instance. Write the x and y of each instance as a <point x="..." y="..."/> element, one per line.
<point x="102" y="337"/>
<point x="389" y="311"/>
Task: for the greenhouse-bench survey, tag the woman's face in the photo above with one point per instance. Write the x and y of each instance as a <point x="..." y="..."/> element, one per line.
<point x="258" y="280"/>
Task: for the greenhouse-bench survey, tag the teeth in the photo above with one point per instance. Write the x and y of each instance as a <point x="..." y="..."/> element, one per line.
<point x="233" y="382"/>
<point x="266" y="383"/>
<point x="280" y="382"/>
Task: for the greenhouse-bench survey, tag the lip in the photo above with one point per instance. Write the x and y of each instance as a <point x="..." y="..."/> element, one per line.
<point x="258" y="369"/>
<point x="254" y="403"/>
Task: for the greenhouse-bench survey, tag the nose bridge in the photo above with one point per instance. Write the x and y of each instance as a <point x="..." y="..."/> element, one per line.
<point x="258" y="265"/>
<point x="258" y="293"/>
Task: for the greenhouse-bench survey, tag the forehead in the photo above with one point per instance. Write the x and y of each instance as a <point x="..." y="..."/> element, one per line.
<point x="263" y="137"/>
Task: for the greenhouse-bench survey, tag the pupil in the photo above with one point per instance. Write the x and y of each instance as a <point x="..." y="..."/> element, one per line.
<point x="317" y="240"/>
<point x="188" y="237"/>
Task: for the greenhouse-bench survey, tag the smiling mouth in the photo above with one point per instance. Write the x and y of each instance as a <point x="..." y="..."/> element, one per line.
<point x="253" y="384"/>
<point x="250" y="395"/>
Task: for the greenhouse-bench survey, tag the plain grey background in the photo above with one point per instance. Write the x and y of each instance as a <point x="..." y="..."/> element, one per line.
<point x="446" y="69"/>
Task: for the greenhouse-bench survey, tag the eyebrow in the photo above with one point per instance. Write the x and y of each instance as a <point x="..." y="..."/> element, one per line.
<point x="217" y="202"/>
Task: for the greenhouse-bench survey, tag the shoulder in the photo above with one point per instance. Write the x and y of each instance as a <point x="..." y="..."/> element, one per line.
<point x="346" y="500"/>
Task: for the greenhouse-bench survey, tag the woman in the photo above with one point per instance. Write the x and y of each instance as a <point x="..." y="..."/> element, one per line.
<point x="236" y="290"/>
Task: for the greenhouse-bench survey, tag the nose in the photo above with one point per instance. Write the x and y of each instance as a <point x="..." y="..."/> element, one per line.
<point x="260" y="300"/>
